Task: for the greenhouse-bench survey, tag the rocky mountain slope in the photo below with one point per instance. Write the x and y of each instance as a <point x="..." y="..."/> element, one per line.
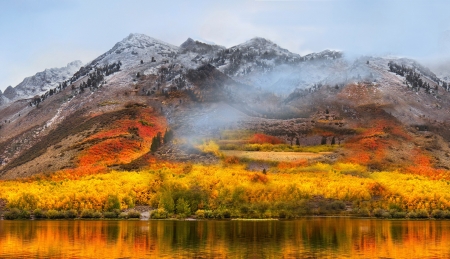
<point x="199" y="89"/>
<point x="40" y="83"/>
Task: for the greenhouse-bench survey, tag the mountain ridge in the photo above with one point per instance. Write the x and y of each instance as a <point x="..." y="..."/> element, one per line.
<point x="140" y="46"/>
<point x="41" y="82"/>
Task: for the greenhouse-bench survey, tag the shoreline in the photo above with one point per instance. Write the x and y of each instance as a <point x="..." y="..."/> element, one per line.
<point x="228" y="219"/>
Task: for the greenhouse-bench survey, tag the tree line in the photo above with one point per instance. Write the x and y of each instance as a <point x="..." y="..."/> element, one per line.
<point x="95" y="79"/>
<point x="414" y="79"/>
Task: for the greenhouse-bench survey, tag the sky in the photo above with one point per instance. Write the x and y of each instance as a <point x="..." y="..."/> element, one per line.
<point x="36" y="35"/>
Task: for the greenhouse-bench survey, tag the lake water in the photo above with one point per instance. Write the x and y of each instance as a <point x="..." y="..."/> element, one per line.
<point x="303" y="238"/>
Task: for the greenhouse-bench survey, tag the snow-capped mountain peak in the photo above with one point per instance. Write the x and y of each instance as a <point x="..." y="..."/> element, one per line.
<point x="41" y="82"/>
<point x="262" y="44"/>
<point x="134" y="48"/>
<point x="206" y="50"/>
<point x="258" y="40"/>
<point x="141" y="41"/>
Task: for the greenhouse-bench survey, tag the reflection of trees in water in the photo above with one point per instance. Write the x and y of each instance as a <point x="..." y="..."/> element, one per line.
<point x="308" y="237"/>
<point x="397" y="231"/>
<point x="25" y="230"/>
<point x="112" y="232"/>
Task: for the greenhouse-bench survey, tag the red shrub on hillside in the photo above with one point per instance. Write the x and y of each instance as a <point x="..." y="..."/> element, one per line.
<point x="259" y="138"/>
<point x="124" y="140"/>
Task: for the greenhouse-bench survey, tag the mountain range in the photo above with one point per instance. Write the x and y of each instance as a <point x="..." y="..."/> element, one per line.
<point x="201" y="89"/>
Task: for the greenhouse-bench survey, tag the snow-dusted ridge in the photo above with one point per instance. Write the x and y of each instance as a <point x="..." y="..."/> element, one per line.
<point x="246" y="62"/>
<point x="40" y="83"/>
<point x="326" y="54"/>
<point x="134" y="48"/>
<point x="262" y="44"/>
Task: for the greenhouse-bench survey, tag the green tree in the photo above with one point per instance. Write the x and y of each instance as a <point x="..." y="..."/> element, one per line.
<point x="166" y="202"/>
<point x="156" y="143"/>
<point x="323" y="141"/>
<point x="26" y="201"/>
<point x="112" y="203"/>
<point x="183" y="209"/>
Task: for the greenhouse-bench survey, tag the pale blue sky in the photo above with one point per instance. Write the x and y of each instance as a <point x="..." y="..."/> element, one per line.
<point x="51" y="33"/>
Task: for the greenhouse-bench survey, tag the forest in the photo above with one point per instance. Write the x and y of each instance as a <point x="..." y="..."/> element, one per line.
<point x="363" y="183"/>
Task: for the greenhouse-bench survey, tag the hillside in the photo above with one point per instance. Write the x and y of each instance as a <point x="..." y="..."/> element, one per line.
<point x="250" y="129"/>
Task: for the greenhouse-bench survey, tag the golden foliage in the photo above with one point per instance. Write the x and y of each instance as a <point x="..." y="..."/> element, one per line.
<point x="229" y="186"/>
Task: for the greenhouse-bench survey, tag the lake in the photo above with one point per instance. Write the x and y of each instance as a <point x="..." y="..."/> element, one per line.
<point x="302" y="238"/>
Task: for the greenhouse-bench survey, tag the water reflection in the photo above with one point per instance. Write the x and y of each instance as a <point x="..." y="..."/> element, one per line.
<point x="304" y="238"/>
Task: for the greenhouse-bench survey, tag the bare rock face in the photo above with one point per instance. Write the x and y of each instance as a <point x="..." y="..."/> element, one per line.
<point x="10" y="92"/>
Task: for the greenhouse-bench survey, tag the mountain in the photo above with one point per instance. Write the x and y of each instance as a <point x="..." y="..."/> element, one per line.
<point x="264" y="64"/>
<point x="41" y="82"/>
<point x="257" y="55"/>
<point x="193" y="52"/>
<point x="200" y="89"/>
<point x="326" y="54"/>
<point x="134" y="48"/>
<point x="10" y="92"/>
<point x="3" y="100"/>
<point x="200" y="47"/>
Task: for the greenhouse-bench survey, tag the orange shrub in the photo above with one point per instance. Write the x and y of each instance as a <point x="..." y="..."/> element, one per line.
<point x="257" y="177"/>
<point x="294" y="164"/>
<point x="376" y="189"/>
<point x="371" y="145"/>
<point x="231" y="160"/>
<point x="259" y="138"/>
